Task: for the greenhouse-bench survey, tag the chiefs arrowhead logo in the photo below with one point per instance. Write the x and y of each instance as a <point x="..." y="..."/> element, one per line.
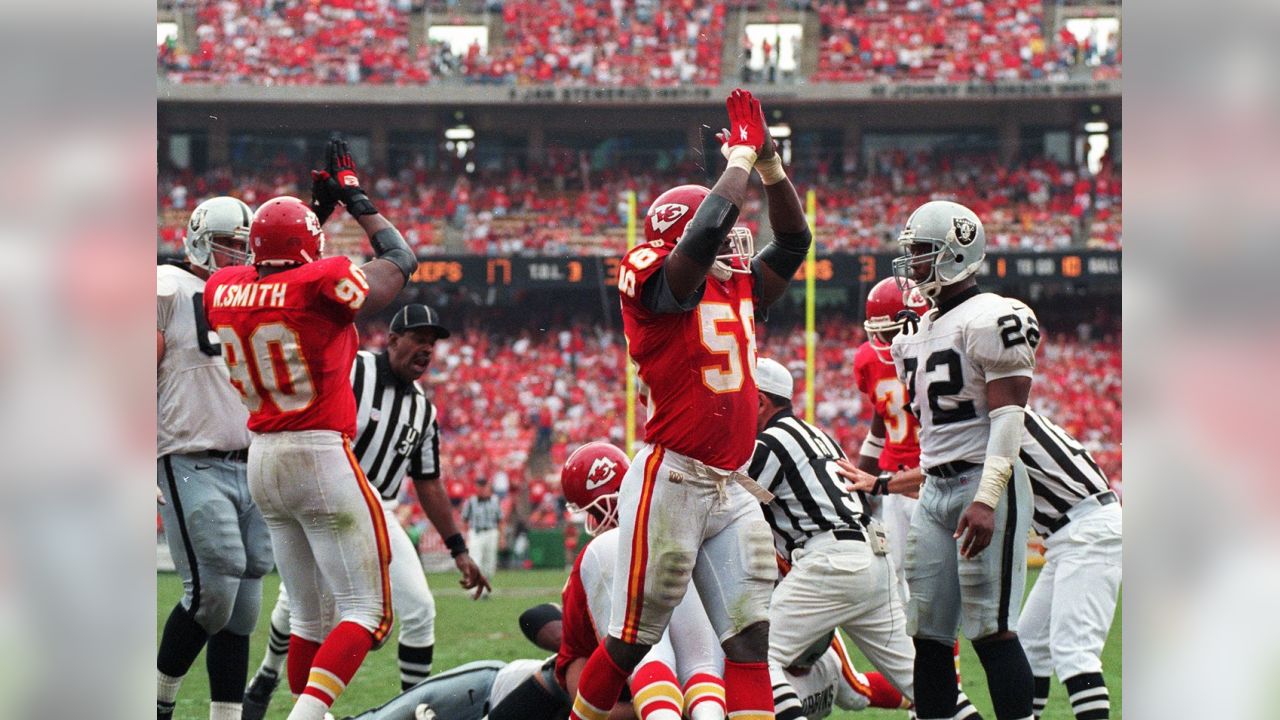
<point x="602" y="471"/>
<point x="313" y="223"/>
<point x="965" y="230"/>
<point x="664" y="216"/>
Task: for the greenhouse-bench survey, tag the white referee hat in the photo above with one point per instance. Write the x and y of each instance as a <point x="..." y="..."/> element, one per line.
<point x="773" y="378"/>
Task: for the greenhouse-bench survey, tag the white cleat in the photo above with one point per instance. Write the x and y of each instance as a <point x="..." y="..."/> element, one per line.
<point x="424" y="712"/>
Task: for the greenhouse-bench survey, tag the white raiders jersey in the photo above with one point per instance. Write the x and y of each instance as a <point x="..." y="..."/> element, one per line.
<point x="197" y="408"/>
<point x="947" y="363"/>
<point x="825" y="687"/>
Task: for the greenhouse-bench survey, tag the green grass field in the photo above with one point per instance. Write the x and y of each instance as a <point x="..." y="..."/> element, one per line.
<point x="467" y="630"/>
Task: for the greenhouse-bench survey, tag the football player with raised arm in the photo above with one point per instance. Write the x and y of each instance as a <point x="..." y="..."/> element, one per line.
<point x="288" y="338"/>
<point x="690" y="295"/>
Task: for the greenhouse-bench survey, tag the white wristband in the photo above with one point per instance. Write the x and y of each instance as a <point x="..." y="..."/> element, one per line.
<point x="1003" y="445"/>
<point x="741" y="156"/>
<point x="872" y="447"/>
<point x="771" y="171"/>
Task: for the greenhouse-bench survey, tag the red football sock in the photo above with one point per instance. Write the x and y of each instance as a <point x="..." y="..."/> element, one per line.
<point x="749" y="694"/>
<point x="883" y="693"/>
<point x="337" y="662"/>
<point x="955" y="652"/>
<point x="598" y="687"/>
<point x="655" y="692"/>
<point x="302" y="653"/>
<point x="704" y="697"/>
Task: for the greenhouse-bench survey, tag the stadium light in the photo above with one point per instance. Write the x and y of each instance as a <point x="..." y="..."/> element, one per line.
<point x="462" y="132"/>
<point x="1097" y="126"/>
<point x="781" y="131"/>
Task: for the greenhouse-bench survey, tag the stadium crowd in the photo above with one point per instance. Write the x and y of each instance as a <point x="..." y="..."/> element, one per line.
<point x="1035" y="205"/>
<point x="950" y="41"/>
<point x="610" y="43"/>
<point x="544" y="393"/>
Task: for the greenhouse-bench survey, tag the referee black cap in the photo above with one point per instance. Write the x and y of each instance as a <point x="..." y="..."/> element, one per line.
<point x="417" y="315"/>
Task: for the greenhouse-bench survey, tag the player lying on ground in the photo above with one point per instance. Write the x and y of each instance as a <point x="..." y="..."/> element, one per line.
<point x="516" y="690"/>
<point x="689" y="298"/>
<point x="288" y="338"/>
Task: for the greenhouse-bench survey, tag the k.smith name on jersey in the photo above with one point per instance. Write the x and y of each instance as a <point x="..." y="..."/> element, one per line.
<point x="947" y="363"/>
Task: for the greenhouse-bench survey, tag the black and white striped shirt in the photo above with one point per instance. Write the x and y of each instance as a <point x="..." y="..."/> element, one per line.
<point x="482" y="513"/>
<point x="796" y="462"/>
<point x="396" y="431"/>
<point x="1062" y="472"/>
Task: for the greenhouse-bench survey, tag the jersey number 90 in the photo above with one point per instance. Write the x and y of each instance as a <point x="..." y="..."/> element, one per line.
<point x="279" y="370"/>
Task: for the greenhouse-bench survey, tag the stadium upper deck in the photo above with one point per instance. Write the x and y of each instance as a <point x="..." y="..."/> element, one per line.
<point x="632" y="43"/>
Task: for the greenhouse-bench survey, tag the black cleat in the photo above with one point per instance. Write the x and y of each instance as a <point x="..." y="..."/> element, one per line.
<point x="258" y="696"/>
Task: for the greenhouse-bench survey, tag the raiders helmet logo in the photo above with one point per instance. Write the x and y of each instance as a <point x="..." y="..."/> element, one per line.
<point x="664" y="216"/>
<point x="602" y="471"/>
<point x="197" y="218"/>
<point x="965" y="230"/>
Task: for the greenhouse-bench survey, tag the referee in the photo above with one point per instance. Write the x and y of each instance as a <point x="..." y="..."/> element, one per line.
<point x="396" y="435"/>
<point x="1068" y="614"/>
<point x="840" y="576"/>
<point x="483" y="515"/>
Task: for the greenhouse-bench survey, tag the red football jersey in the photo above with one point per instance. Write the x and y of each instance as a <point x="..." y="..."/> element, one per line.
<point x="578" y="634"/>
<point x="699" y="365"/>
<point x="880" y="383"/>
<point x="289" y="341"/>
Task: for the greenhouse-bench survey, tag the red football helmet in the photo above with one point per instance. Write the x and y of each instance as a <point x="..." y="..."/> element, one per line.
<point x="884" y="302"/>
<point x="590" y="481"/>
<point x="285" y="232"/>
<point x="671" y="212"/>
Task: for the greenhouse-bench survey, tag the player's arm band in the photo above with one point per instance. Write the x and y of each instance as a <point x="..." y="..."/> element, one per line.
<point x="708" y="228"/>
<point x="358" y="203"/>
<point x="786" y="253"/>
<point x="456" y="543"/>
<point x="872" y="447"/>
<point x="1002" y="450"/>
<point x="389" y="244"/>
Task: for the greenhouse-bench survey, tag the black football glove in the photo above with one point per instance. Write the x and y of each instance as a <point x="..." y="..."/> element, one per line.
<point x="324" y="194"/>
<point x="343" y="170"/>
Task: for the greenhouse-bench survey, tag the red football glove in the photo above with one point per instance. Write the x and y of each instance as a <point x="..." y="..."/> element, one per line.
<point x="342" y="169"/>
<point x="746" y="121"/>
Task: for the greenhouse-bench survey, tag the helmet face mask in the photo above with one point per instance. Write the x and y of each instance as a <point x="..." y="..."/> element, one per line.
<point x="736" y="251"/>
<point x="885" y="305"/>
<point x="602" y="514"/>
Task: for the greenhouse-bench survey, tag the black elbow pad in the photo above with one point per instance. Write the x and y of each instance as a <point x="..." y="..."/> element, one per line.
<point x="388" y="244"/>
<point x="708" y="228"/>
<point x="787" y="253"/>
